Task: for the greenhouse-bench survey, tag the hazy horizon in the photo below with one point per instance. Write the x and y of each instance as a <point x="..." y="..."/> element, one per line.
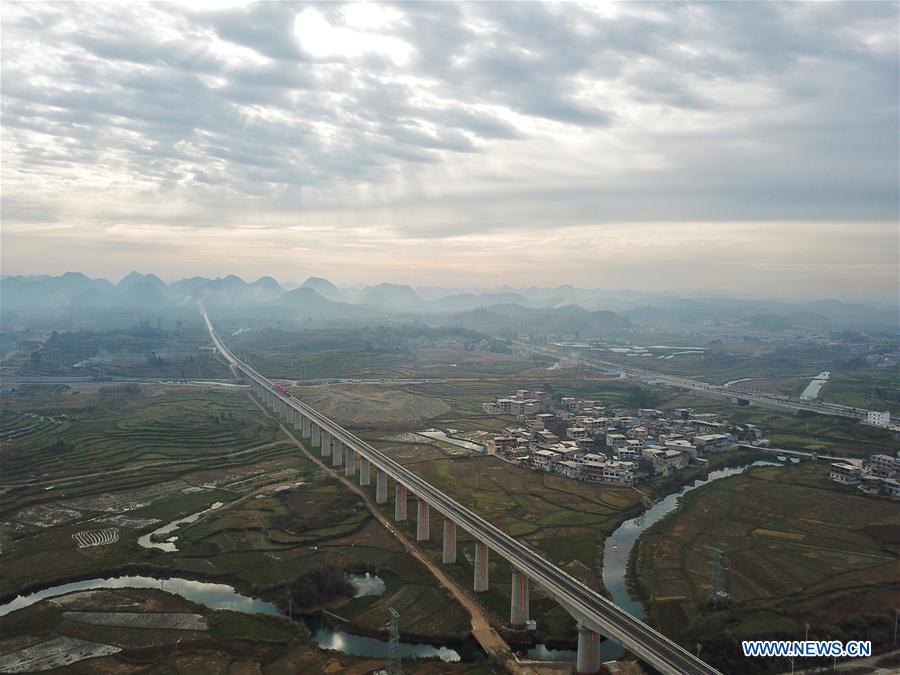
<point x="431" y="292"/>
<point x="749" y="149"/>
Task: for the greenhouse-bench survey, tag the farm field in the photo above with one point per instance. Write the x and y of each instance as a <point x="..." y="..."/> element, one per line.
<point x="367" y="405"/>
<point x="57" y="436"/>
<point x="566" y="520"/>
<point x="783" y="371"/>
<point x="218" y="641"/>
<point x="818" y="433"/>
<point x="804" y="431"/>
<point x="379" y="352"/>
<point x="141" y="351"/>
<point x="128" y="460"/>
<point x="873" y="389"/>
<point x="795" y="548"/>
<point x="465" y="395"/>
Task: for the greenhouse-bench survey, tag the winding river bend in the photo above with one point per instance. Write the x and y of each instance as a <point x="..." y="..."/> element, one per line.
<point x="223" y="596"/>
<point x="616" y="553"/>
<point x="618" y="547"/>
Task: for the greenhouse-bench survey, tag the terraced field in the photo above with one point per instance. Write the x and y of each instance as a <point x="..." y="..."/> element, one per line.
<point x="87" y="477"/>
<point x="63" y="435"/>
<point x="83" y="475"/>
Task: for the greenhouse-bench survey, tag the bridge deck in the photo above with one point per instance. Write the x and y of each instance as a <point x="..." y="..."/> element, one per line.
<point x="586" y="604"/>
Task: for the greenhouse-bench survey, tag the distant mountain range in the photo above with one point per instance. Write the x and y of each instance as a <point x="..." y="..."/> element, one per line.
<point x="557" y="310"/>
<point x="762" y="314"/>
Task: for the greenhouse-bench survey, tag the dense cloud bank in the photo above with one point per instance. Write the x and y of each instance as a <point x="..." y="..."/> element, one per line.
<point x="336" y="132"/>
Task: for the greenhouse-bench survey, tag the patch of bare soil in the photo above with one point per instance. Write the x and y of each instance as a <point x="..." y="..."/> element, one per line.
<point x="363" y="405"/>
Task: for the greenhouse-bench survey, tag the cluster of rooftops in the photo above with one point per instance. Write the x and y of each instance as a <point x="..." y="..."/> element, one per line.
<point x="588" y="440"/>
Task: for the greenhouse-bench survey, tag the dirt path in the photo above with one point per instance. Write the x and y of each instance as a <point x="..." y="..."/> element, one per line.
<point x="484" y="633"/>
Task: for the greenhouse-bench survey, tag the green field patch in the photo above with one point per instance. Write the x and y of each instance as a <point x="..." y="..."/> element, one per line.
<point x="236" y="626"/>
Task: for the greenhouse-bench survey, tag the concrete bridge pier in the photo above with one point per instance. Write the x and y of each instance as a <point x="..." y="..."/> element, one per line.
<point x="482" y="567"/>
<point x="315" y="437"/>
<point x="400" y="503"/>
<point x="305" y="431"/>
<point x="349" y="461"/>
<point x="588" y="660"/>
<point x="270" y="400"/>
<point x="423" y="521"/>
<point x="365" y="471"/>
<point x="449" y="555"/>
<point x="380" y="486"/>
<point x="298" y="422"/>
<point x="327" y="444"/>
<point x="337" y="452"/>
<point x="519" y="599"/>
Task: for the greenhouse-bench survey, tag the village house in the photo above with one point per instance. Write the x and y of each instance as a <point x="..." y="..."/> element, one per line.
<point x="847" y="474"/>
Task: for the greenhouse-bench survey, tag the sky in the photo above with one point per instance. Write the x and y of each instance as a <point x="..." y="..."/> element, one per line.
<point x="743" y="147"/>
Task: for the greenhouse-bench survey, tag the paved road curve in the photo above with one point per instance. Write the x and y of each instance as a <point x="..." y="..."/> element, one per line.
<point x="762" y="398"/>
<point x="589" y="607"/>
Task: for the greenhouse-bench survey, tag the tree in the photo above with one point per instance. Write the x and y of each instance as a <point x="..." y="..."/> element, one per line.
<point x="319" y="587"/>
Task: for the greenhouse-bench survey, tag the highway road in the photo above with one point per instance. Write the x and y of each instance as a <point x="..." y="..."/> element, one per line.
<point x="642" y="374"/>
<point x="591" y="609"/>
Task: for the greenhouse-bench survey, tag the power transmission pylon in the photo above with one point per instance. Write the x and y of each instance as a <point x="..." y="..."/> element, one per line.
<point x="394" y="665"/>
<point x="716" y="580"/>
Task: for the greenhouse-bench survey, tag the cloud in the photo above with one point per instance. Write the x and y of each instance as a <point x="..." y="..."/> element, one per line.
<point x="425" y="121"/>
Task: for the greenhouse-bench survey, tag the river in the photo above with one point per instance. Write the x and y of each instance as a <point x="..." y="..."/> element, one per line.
<point x="618" y="547"/>
<point x="149" y="540"/>
<point x="616" y="552"/>
<point x="223" y="596"/>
